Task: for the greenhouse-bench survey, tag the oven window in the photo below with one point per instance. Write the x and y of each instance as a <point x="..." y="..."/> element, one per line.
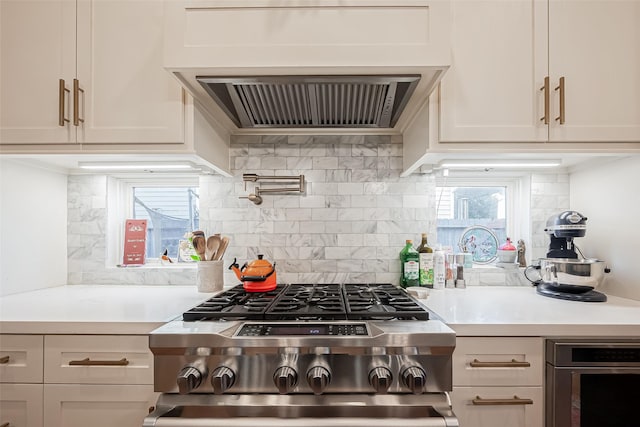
<point x="609" y="400"/>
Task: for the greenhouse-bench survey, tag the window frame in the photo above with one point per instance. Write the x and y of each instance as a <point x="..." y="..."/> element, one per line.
<point x="517" y="206"/>
<point x="120" y="207"/>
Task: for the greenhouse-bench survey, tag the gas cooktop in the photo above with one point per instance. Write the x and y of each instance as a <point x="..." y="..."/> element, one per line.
<point x="333" y="301"/>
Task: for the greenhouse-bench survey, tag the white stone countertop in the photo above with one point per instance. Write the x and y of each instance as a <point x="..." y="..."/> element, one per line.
<point x="96" y="309"/>
<point x="474" y="311"/>
<point x="520" y="311"/>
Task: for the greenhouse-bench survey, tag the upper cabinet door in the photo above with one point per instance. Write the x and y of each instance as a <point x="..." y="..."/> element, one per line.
<point x="38" y="49"/>
<point x="128" y="96"/>
<point x="595" y="46"/>
<point x="492" y="91"/>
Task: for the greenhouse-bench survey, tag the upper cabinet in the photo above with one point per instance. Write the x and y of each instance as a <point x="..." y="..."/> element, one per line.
<point x="86" y="72"/>
<point x="542" y="71"/>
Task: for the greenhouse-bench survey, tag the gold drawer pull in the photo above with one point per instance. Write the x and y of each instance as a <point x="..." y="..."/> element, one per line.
<point x="513" y="364"/>
<point x="3" y="361"/>
<point x="5" y="425"/>
<point x="89" y="362"/>
<point x="515" y="401"/>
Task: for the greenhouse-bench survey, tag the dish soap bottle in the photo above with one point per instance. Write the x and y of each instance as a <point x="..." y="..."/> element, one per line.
<point x="426" y="263"/>
<point x="409" y="264"/>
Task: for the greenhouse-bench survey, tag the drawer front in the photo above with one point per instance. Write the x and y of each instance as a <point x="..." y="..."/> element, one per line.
<point x="498" y="406"/>
<point x="98" y="359"/>
<point x="21" y="405"/>
<point x="21" y="358"/>
<point x="496" y="361"/>
<point x="68" y="405"/>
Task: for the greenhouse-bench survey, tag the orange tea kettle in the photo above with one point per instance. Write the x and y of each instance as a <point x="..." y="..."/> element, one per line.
<point x="257" y="276"/>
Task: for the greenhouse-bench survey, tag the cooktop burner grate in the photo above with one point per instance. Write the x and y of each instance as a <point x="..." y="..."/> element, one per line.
<point x="311" y="302"/>
<point x="234" y="304"/>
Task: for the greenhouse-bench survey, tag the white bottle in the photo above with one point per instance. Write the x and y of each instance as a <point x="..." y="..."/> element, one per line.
<point x="439" y="271"/>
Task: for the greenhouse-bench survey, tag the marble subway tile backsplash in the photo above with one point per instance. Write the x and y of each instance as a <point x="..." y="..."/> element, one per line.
<point x="349" y="224"/>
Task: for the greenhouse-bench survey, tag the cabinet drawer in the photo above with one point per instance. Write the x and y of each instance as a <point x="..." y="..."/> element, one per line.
<point x="95" y="359"/>
<point x="497" y="361"/>
<point x="69" y="405"/>
<point x="21" y="405"/>
<point x="498" y="406"/>
<point x="21" y="358"/>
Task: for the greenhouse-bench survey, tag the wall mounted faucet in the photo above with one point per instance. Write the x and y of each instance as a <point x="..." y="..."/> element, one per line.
<point x="256" y="196"/>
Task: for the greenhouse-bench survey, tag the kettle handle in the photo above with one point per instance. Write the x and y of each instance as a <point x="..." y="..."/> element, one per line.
<point x="259" y="278"/>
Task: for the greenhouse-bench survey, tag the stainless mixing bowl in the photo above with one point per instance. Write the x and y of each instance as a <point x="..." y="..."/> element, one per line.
<point x="570" y="274"/>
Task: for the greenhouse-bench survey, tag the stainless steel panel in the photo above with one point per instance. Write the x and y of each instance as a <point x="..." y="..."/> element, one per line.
<point x="302" y="410"/>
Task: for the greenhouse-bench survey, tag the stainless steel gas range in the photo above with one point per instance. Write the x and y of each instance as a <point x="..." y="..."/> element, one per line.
<point x="304" y="355"/>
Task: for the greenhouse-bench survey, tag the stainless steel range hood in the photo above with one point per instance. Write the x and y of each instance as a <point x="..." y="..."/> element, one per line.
<point x="308" y="66"/>
<point x="312" y="101"/>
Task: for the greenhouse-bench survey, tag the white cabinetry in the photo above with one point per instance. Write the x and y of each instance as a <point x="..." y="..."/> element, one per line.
<point x="502" y="53"/>
<point x="112" y="50"/>
<point x="100" y="380"/>
<point x="105" y="379"/>
<point x="498" y="381"/>
<point x="21" y="380"/>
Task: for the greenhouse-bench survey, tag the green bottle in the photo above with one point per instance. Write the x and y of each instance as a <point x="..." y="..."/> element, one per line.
<point x="410" y="266"/>
<point x="426" y="263"/>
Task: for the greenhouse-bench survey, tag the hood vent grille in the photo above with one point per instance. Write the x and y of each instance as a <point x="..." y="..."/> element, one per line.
<point x="312" y="101"/>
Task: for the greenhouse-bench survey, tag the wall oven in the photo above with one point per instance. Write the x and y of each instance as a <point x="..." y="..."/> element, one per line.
<point x="592" y="382"/>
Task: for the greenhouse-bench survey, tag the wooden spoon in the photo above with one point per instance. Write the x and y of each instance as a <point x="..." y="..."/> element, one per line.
<point x="221" y="250"/>
<point x="199" y="245"/>
<point x="213" y="243"/>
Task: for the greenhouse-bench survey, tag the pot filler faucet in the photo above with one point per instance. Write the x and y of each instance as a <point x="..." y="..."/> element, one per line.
<point x="256" y="196"/>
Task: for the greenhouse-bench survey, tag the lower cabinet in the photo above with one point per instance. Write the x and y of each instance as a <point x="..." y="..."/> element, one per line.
<point x="21" y="405"/>
<point x="81" y="405"/>
<point x="498" y="381"/>
<point x="75" y="380"/>
<point x="498" y="406"/>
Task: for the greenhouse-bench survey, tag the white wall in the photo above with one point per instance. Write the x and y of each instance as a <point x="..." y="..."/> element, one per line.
<point x="33" y="227"/>
<point x="609" y="195"/>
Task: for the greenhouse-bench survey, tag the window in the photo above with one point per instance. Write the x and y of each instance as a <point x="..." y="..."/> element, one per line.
<point x="170" y="206"/>
<point x="465" y="202"/>
<point x="170" y="213"/>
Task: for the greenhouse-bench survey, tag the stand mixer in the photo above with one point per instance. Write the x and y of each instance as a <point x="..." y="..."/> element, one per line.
<point x="564" y="274"/>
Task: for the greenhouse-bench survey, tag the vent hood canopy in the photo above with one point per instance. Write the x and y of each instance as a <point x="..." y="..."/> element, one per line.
<point x="327" y="66"/>
<point x="312" y="101"/>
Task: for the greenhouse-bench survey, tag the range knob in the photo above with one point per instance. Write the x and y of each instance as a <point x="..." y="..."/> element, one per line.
<point x="414" y="378"/>
<point x="285" y="379"/>
<point x="222" y="379"/>
<point x="189" y="378"/>
<point x="380" y="379"/>
<point x="318" y="378"/>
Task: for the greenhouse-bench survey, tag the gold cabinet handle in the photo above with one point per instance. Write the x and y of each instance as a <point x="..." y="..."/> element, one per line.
<point x="76" y="102"/>
<point x="512" y="364"/>
<point x="62" y="91"/>
<point x="545" y="88"/>
<point x="515" y="401"/>
<point x="3" y="361"/>
<point x="88" y="362"/>
<point x="5" y="425"/>
<point x="560" y="88"/>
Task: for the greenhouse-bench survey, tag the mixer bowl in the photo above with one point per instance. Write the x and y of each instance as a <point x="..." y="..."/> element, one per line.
<point x="572" y="275"/>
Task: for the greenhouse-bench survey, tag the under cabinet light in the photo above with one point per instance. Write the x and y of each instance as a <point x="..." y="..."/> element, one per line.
<point x="139" y="166"/>
<point x="487" y="164"/>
